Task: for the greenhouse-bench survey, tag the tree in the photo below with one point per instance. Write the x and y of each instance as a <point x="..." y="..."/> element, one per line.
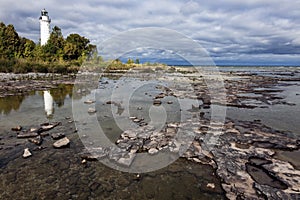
<point x="55" y="45"/>
<point x="137" y="61"/>
<point x="77" y="47"/>
<point x="10" y="41"/>
<point x="130" y="61"/>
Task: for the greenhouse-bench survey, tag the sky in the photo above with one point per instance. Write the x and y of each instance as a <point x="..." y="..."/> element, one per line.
<point x="248" y="32"/>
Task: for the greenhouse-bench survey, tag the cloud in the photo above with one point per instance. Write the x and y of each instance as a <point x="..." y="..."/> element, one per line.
<point x="231" y="30"/>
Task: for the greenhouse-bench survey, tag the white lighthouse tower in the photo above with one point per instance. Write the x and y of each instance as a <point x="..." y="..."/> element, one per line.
<point x="44" y="26"/>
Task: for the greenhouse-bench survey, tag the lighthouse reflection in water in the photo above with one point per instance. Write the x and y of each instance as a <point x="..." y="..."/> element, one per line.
<point x="48" y="104"/>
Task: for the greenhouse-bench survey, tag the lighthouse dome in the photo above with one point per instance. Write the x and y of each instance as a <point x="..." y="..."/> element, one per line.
<point x="44" y="12"/>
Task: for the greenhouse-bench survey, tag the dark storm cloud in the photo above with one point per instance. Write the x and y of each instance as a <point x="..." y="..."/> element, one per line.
<point x="230" y="30"/>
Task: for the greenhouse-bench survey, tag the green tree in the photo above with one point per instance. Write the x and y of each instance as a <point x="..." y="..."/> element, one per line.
<point x="137" y="61"/>
<point x="77" y="47"/>
<point x="55" y="45"/>
<point x="10" y="41"/>
<point x="130" y="61"/>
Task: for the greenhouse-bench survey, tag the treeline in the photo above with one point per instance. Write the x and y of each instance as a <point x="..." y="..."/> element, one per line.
<point x="59" y="55"/>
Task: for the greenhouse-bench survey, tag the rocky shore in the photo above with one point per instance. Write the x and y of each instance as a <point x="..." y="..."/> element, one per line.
<point x="233" y="159"/>
<point x="21" y="84"/>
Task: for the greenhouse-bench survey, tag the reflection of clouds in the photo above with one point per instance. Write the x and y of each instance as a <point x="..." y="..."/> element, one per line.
<point x="48" y="102"/>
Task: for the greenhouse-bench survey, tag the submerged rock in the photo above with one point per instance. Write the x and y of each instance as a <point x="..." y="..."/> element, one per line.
<point x="48" y="126"/>
<point x="157" y="102"/>
<point x="27" y="134"/>
<point x="56" y="136"/>
<point x="127" y="160"/>
<point x="89" y="101"/>
<point x="92" y="110"/>
<point x="26" y="153"/>
<point x="153" y="151"/>
<point x="38" y="140"/>
<point x="61" y="143"/>
<point x="17" y="128"/>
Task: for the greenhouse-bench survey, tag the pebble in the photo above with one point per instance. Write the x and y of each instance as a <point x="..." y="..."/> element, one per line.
<point x="26" y="153"/>
<point x="210" y="185"/>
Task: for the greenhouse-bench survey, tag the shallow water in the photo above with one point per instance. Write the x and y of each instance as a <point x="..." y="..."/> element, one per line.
<point x="182" y="179"/>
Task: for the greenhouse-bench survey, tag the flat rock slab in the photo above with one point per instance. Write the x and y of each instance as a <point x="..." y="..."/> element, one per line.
<point x="64" y="142"/>
<point x="48" y="126"/>
<point x="27" y="134"/>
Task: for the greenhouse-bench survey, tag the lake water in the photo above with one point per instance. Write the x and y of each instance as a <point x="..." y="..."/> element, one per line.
<point x="183" y="179"/>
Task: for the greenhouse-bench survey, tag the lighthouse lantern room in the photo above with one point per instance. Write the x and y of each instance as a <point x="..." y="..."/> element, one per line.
<point x="44" y="26"/>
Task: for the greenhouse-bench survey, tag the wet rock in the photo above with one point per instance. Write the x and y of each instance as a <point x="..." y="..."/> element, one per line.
<point x="263" y="177"/>
<point x="92" y="110"/>
<point x="38" y="140"/>
<point x="61" y="143"/>
<point x="56" y="136"/>
<point x="160" y="96"/>
<point x="152" y="151"/>
<point x="157" y="102"/>
<point x="88" y="157"/>
<point x="210" y="185"/>
<point x="17" y="128"/>
<point x="127" y="160"/>
<point x="48" y="126"/>
<point x="27" y="134"/>
<point x="89" y="101"/>
<point x="110" y="102"/>
<point x="26" y="153"/>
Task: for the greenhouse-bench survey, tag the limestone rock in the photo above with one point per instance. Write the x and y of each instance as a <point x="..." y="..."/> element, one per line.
<point x="17" y="128"/>
<point x="37" y="140"/>
<point x="61" y="143"/>
<point x="26" y="153"/>
<point x="92" y="110"/>
<point x="27" y="134"/>
<point x="153" y="151"/>
<point x="56" y="136"/>
<point x="89" y="101"/>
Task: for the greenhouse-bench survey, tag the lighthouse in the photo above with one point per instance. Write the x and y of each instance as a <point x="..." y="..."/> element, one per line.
<point x="44" y="26"/>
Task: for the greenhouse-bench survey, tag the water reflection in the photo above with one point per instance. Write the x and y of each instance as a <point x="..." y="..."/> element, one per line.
<point x="48" y="104"/>
<point x="51" y="99"/>
<point x="10" y="103"/>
